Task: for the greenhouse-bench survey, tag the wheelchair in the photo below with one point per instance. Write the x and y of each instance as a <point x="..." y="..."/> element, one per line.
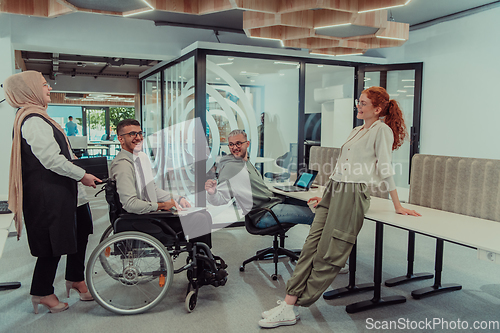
<point x="131" y="271"/>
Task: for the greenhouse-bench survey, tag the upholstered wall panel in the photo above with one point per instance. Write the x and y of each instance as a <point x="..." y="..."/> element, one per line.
<point x="323" y="160"/>
<point x="469" y="186"/>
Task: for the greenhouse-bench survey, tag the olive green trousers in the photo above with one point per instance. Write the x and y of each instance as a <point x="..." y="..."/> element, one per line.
<point x="338" y="220"/>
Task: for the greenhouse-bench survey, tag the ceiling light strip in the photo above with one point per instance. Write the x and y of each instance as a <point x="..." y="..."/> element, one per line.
<point x="269" y="38"/>
<point x="139" y="12"/>
<point x="147" y="3"/>
<point x="373" y="10"/>
<point x="333" y="25"/>
<point x="393" y="38"/>
<point x="285" y="63"/>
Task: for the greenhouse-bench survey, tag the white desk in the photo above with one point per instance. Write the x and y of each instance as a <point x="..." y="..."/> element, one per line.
<point x="444" y="226"/>
<point x="461" y="229"/>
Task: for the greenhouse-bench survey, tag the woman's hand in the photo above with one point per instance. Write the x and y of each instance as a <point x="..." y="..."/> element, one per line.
<point x="317" y="199"/>
<point x="405" y="211"/>
<point x="89" y="180"/>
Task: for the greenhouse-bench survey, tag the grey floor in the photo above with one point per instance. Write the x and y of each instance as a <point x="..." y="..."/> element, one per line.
<point x="236" y="307"/>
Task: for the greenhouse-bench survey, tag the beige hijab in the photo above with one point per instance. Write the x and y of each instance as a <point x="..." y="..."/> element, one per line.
<point x="24" y="91"/>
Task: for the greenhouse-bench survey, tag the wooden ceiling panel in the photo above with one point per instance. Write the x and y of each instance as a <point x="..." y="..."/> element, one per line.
<point x="284" y="20"/>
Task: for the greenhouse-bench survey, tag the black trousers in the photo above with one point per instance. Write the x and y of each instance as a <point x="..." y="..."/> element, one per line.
<point x="196" y="226"/>
<point x="42" y="283"/>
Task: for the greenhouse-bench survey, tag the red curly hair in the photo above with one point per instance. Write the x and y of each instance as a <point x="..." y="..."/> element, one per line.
<point x="391" y="111"/>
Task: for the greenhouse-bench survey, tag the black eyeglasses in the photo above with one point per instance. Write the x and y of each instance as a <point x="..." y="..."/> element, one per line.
<point x="133" y="134"/>
<point x="237" y="144"/>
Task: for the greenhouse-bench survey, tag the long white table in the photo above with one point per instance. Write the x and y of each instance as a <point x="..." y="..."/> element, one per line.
<point x="463" y="230"/>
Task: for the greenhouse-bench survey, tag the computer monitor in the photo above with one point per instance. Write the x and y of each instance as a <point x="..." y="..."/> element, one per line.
<point x="78" y="142"/>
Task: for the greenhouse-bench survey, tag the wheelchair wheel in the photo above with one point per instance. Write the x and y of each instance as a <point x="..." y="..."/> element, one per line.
<point x="108" y="232"/>
<point x="129" y="272"/>
<point x="191" y="299"/>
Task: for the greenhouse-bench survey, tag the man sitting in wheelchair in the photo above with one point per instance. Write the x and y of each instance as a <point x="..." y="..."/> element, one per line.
<point x="138" y="194"/>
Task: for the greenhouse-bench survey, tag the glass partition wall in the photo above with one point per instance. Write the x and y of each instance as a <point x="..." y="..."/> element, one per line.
<point x="259" y="96"/>
<point x="329" y="107"/>
<point x="284" y="104"/>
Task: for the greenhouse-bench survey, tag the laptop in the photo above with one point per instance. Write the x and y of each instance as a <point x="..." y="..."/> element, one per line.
<point x="303" y="182"/>
<point x="97" y="166"/>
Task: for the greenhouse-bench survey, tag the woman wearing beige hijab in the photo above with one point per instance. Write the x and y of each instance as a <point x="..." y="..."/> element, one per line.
<point x="43" y="188"/>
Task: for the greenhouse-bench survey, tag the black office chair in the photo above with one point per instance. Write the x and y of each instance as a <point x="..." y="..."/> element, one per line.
<point x="276" y="250"/>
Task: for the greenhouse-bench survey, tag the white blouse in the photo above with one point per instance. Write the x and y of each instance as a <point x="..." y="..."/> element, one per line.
<point x="366" y="157"/>
<point x="40" y="137"/>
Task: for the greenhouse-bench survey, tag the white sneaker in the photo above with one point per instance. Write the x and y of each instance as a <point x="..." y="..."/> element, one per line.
<point x="266" y="314"/>
<point x="344" y="269"/>
<point x="283" y="314"/>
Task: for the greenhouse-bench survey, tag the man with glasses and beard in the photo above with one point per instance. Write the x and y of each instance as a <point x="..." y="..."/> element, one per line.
<point x="138" y="192"/>
<point x="238" y="178"/>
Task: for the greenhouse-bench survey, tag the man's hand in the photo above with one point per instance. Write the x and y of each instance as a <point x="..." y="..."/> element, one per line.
<point x="184" y="203"/>
<point x="167" y="205"/>
<point x="317" y="199"/>
<point x="89" y="180"/>
<point x="211" y="186"/>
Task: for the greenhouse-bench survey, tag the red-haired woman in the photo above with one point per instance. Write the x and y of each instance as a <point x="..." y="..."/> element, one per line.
<point x="364" y="161"/>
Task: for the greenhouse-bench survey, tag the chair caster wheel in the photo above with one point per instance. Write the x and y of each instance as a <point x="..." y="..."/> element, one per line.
<point x="190" y="302"/>
<point x="242" y="268"/>
<point x="274" y="277"/>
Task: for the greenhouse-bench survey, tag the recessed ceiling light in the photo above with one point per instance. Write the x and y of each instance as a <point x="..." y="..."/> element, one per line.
<point x="320" y="65"/>
<point x="225" y="63"/>
<point x="401" y="91"/>
<point x="409" y="87"/>
<point x="230" y="59"/>
<point x="248" y="73"/>
<point x="217" y="78"/>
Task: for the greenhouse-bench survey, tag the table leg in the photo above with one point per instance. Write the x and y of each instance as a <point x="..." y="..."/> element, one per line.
<point x="351" y="288"/>
<point x="376" y="301"/>
<point x="410" y="276"/>
<point x="437" y="288"/>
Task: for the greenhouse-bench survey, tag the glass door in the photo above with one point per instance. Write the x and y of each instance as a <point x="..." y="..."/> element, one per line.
<point x="403" y="82"/>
